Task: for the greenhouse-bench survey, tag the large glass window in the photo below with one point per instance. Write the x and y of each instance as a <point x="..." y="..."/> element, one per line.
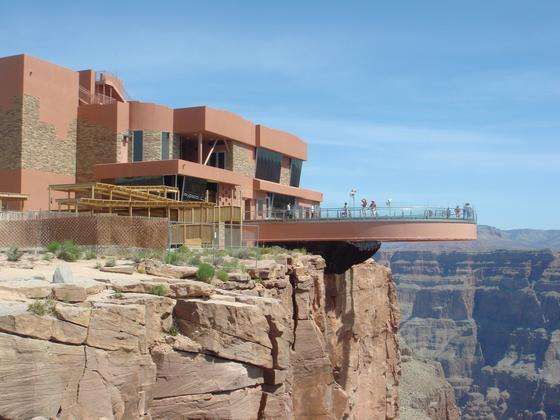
<point x="295" y="171"/>
<point x="193" y="189"/>
<point x="138" y="146"/>
<point x="164" y="146"/>
<point x="268" y="165"/>
<point x="218" y="160"/>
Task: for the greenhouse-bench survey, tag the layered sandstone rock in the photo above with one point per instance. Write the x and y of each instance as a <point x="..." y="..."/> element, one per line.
<point x="289" y="342"/>
<point x="492" y="319"/>
<point x="424" y="392"/>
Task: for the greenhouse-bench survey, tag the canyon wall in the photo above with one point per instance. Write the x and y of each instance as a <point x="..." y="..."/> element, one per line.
<point x="284" y="341"/>
<point x="492" y="319"/>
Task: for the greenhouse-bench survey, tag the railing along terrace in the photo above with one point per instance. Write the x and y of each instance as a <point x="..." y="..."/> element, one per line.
<point x="466" y="214"/>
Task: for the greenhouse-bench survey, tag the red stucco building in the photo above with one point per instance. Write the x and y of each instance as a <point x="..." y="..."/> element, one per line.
<point x="60" y="126"/>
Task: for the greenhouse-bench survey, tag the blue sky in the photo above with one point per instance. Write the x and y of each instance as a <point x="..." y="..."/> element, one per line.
<point x="426" y="102"/>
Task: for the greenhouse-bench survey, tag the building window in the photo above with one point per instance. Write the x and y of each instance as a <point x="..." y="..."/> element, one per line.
<point x="218" y="160"/>
<point x="269" y="165"/>
<point x="295" y="171"/>
<point x="164" y="146"/>
<point x="138" y="146"/>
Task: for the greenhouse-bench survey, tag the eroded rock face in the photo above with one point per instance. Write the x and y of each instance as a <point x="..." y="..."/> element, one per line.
<point x="492" y="319"/>
<point x="288" y="343"/>
<point x="424" y="392"/>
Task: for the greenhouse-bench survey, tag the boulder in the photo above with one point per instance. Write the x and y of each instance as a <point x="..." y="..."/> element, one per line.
<point x="63" y="274"/>
<point x="74" y="314"/>
<point x="190" y="289"/>
<point x="170" y="271"/>
<point x="70" y="293"/>
<point x="120" y="269"/>
<point x="239" y="277"/>
<point x="31" y="289"/>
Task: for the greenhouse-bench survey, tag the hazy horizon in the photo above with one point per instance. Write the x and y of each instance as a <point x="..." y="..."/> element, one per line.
<point x="432" y="103"/>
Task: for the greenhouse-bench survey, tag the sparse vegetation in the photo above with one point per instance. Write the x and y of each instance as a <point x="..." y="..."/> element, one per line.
<point x="205" y="272"/>
<point x="98" y="265"/>
<point x="158" y="290"/>
<point x="42" y="307"/>
<point x="111" y="262"/>
<point x="174" y="329"/>
<point x="14" y="254"/>
<point x="171" y="257"/>
<point x="147" y="254"/>
<point x="222" y="275"/>
<point x="53" y="247"/>
<point x="141" y="269"/>
<point x="67" y="250"/>
<point x="90" y="254"/>
<point x="117" y="294"/>
<point x="47" y="257"/>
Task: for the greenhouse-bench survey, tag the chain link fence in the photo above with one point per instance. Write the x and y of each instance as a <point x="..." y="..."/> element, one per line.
<point x="38" y="229"/>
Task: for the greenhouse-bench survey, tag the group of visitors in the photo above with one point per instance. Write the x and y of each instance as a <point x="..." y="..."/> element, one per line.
<point x="467" y="212"/>
<point x="366" y="208"/>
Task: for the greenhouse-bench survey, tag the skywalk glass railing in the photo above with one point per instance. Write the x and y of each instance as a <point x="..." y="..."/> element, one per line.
<point x="465" y="214"/>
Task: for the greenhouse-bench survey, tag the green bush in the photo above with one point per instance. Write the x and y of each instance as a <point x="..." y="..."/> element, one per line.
<point x="69" y="251"/>
<point x="195" y="260"/>
<point x="111" y="262"/>
<point x="243" y="253"/>
<point x="222" y="275"/>
<point x="90" y="254"/>
<point x="54" y="247"/>
<point x="98" y="265"/>
<point x="183" y="250"/>
<point x="174" y="329"/>
<point x="42" y="307"/>
<point x="47" y="257"/>
<point x="14" y="254"/>
<point x="117" y="294"/>
<point x="205" y="272"/>
<point x="159" y="290"/>
<point x="171" y="257"/>
<point x="233" y="265"/>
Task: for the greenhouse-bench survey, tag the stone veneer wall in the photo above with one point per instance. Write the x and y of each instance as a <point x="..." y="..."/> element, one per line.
<point x="240" y="160"/>
<point x="152" y="146"/>
<point x="95" y="145"/>
<point x="29" y="143"/>
<point x="175" y="146"/>
<point x="10" y="136"/>
<point x="42" y="150"/>
<point x="285" y="171"/>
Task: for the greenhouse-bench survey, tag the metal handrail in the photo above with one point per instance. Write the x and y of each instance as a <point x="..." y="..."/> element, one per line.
<point x="466" y="214"/>
<point x="104" y="73"/>
<point x="95" y="98"/>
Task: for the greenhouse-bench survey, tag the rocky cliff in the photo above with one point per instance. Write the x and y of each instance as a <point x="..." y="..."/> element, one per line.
<point x="286" y="341"/>
<point x="492" y="319"/>
<point x="424" y="392"/>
